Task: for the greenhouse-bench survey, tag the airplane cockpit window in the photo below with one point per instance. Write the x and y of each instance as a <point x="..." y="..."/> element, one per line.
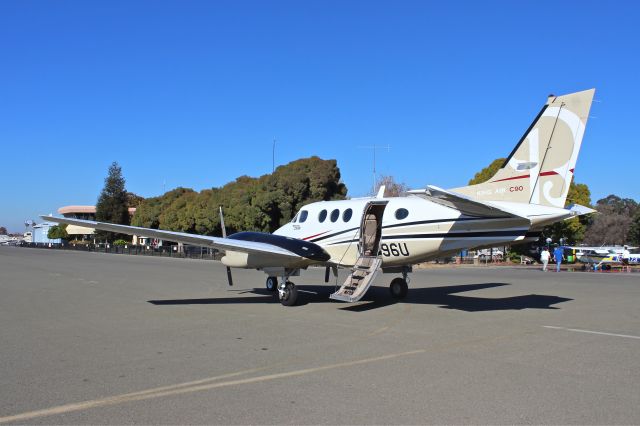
<point x="346" y="216"/>
<point x="402" y="213"/>
<point x="335" y="215"/>
<point x="294" y="218"/>
<point x="303" y="215"/>
<point x="322" y="216"/>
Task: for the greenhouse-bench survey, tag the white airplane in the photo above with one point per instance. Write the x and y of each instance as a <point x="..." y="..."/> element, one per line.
<point x="604" y="256"/>
<point x="392" y="234"/>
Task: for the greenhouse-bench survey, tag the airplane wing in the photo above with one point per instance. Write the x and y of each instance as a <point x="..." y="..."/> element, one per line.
<point x="462" y="203"/>
<point x="280" y="249"/>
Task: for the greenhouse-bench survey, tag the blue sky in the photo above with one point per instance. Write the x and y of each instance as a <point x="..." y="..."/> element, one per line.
<point x="193" y="93"/>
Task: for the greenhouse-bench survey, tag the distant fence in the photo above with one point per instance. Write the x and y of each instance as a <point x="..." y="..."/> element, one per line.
<point x="187" y="252"/>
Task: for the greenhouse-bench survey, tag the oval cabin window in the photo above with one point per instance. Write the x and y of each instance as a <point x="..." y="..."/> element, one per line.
<point x="335" y="215"/>
<point x="322" y="216"/>
<point x="402" y="214"/>
<point x="303" y="215"/>
<point x="346" y="216"/>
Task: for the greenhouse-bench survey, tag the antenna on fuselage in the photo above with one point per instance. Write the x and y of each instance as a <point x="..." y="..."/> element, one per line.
<point x="374" y="148"/>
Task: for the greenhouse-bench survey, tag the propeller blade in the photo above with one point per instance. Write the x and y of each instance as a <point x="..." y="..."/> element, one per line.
<point x="224" y="230"/>
<point x="224" y="235"/>
<point x="229" y="277"/>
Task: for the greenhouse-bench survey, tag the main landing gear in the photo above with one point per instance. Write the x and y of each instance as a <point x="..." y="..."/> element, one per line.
<point x="399" y="287"/>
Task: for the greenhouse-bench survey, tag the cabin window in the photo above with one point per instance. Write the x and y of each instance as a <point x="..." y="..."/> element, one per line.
<point x="335" y="215"/>
<point x="322" y="216"/>
<point x="402" y="214"/>
<point x="303" y="215"/>
<point x="346" y="216"/>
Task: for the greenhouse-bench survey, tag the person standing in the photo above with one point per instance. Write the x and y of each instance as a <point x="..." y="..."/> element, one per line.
<point x="544" y="258"/>
<point x="625" y="258"/>
<point x="558" y="254"/>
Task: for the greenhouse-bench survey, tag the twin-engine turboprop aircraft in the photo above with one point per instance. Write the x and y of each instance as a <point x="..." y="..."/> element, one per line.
<point x="392" y="234"/>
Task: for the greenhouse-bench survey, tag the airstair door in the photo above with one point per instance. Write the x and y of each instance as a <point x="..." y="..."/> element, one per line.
<point x="369" y="260"/>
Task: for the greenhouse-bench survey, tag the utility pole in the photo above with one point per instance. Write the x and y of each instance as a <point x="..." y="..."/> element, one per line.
<point x="374" y="148"/>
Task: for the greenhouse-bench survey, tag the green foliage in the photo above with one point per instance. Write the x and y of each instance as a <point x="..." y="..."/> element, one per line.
<point x="133" y="200"/>
<point x="120" y="243"/>
<point x="572" y="230"/>
<point x="250" y="204"/>
<point x="58" y="231"/>
<point x="514" y="256"/>
<point x="112" y="204"/>
<point x="488" y="172"/>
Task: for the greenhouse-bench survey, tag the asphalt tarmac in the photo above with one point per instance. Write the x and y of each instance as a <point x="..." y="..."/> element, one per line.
<point x="90" y="338"/>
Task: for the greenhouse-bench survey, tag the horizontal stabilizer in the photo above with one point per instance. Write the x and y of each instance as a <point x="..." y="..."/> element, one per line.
<point x="579" y="210"/>
<point x="463" y="203"/>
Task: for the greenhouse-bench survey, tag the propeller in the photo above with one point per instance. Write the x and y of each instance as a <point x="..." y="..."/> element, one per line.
<point x="224" y="235"/>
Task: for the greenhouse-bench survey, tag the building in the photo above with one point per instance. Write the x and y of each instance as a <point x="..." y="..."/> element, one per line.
<point x="85" y="213"/>
<point x="40" y="232"/>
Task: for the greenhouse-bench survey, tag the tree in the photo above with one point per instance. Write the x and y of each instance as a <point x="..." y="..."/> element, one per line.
<point x="58" y="231"/>
<point x="634" y="230"/>
<point x="112" y="204"/>
<point x="614" y="223"/>
<point x="572" y="230"/>
<point x="3" y="230"/>
<point x="134" y="200"/>
<point x="488" y="172"/>
<point x="250" y="204"/>
<point x="391" y="187"/>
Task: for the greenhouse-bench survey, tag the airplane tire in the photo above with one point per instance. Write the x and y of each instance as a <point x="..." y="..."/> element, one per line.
<point x="272" y="283"/>
<point x="398" y="288"/>
<point x="290" y="296"/>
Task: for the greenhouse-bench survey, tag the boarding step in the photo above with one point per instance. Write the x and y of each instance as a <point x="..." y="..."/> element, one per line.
<point x="360" y="279"/>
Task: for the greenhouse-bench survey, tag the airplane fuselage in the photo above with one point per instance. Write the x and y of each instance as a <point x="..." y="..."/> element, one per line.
<point x="413" y="229"/>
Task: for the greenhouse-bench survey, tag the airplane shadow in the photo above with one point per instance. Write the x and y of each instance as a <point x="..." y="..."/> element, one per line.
<point x="378" y="297"/>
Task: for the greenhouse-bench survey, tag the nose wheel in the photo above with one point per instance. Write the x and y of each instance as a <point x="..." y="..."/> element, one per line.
<point x="288" y="293"/>
<point x="398" y="288"/>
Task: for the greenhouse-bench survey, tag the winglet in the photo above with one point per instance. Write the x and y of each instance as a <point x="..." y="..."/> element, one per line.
<point x="381" y="191"/>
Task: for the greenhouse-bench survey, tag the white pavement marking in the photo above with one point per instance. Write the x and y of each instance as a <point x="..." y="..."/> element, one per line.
<point x="195" y="386"/>
<point x="627" y="336"/>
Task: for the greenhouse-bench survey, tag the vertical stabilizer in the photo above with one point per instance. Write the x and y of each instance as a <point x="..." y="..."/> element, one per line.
<point x="540" y="168"/>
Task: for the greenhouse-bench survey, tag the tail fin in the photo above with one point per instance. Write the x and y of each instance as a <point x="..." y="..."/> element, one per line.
<point x="540" y="168"/>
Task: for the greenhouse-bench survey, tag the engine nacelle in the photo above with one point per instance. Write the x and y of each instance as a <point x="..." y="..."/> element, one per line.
<point x="236" y="259"/>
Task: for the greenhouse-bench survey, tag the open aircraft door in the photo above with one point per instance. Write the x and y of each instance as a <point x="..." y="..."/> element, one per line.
<point x="369" y="259"/>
